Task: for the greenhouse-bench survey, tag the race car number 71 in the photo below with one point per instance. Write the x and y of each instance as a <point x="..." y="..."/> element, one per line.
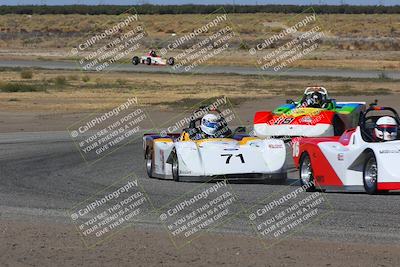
<point x="229" y="156"/>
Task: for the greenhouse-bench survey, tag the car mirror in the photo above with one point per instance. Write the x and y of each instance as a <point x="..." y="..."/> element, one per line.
<point x="375" y="103"/>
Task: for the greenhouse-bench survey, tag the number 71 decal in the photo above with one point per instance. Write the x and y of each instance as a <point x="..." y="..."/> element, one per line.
<point x="229" y="156"/>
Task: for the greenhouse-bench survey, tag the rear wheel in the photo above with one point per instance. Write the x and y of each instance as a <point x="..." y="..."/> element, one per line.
<point x="148" y="61"/>
<point x="175" y="167"/>
<point x="370" y="174"/>
<point x="306" y="172"/>
<point x="135" y="60"/>
<point x="149" y="163"/>
<point x="171" y="61"/>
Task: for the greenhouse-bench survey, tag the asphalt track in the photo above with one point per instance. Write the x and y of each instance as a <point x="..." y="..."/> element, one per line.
<point x="344" y="73"/>
<point x="42" y="175"/>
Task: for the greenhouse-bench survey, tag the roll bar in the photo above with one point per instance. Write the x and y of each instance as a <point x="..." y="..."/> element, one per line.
<point x="312" y="89"/>
<point x="377" y="108"/>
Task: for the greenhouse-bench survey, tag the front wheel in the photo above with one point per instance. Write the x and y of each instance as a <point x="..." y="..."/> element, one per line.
<point x="370" y="174"/>
<point x="149" y="163"/>
<point x="175" y="167"/>
<point x="148" y="61"/>
<point x="307" y="173"/>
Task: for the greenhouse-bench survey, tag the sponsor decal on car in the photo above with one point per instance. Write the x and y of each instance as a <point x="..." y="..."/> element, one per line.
<point x="296" y="149"/>
<point x="307" y="120"/>
<point x="389" y="151"/>
<point x="275" y="146"/>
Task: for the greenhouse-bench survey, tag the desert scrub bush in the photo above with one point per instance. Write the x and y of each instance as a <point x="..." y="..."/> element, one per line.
<point x="26" y="74"/>
<point x="60" y="81"/>
<point x="73" y="77"/>
<point x="20" y="87"/>
<point x="381" y="91"/>
<point x="243" y="46"/>
<point x="85" y="79"/>
<point x="121" y="82"/>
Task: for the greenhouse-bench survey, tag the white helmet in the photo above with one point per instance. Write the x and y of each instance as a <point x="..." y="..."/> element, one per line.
<point x="209" y="124"/>
<point x="386" y="129"/>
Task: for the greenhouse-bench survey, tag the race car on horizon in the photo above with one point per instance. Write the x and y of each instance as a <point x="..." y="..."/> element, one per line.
<point x="365" y="158"/>
<point x="314" y="115"/>
<point x="208" y="149"/>
<point x="151" y="58"/>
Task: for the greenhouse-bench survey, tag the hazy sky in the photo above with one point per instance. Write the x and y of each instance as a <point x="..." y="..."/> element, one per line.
<point x="252" y="2"/>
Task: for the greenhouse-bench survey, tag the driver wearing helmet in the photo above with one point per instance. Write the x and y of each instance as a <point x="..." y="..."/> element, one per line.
<point x="152" y="53"/>
<point x="316" y="100"/>
<point x="210" y="127"/>
<point x="386" y="129"/>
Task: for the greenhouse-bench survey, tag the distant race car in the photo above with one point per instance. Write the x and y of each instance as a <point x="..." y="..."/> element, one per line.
<point x="151" y="58"/>
<point x="362" y="159"/>
<point x="236" y="155"/>
<point x="314" y="115"/>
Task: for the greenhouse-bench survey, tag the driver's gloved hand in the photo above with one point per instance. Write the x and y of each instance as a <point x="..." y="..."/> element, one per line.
<point x="309" y="102"/>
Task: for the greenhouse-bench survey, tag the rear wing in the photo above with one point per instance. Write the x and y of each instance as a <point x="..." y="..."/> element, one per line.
<point x="349" y="103"/>
<point x="158" y="134"/>
<point x="346" y="108"/>
<point x="148" y="138"/>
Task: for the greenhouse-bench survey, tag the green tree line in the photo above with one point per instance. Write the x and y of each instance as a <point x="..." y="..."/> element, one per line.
<point x="196" y="9"/>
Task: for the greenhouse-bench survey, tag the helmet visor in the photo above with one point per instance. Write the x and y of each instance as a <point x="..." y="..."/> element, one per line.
<point x="388" y="128"/>
<point x="211" y="124"/>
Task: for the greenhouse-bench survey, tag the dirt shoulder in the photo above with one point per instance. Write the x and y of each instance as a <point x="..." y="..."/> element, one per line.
<point x="50" y="244"/>
<point x="49" y="120"/>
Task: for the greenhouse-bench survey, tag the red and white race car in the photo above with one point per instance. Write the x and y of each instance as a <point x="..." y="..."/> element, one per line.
<point x="151" y="58"/>
<point x="365" y="158"/>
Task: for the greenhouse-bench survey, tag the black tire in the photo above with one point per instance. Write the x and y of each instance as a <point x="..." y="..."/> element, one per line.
<point x="370" y="174"/>
<point x="175" y="167"/>
<point x="171" y="61"/>
<point x="149" y="162"/>
<point x="148" y="61"/>
<point x="135" y="60"/>
<point x="305" y="162"/>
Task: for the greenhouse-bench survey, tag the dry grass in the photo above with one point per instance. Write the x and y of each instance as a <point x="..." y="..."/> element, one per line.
<point x="256" y="25"/>
<point x="350" y="37"/>
<point x="389" y="60"/>
<point x="165" y="90"/>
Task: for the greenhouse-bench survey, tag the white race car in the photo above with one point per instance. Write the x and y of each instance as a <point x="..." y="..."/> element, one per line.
<point x="151" y="58"/>
<point x="359" y="160"/>
<point x="233" y="156"/>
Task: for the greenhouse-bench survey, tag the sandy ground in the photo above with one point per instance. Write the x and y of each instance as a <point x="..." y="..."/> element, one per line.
<point x="35" y="243"/>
